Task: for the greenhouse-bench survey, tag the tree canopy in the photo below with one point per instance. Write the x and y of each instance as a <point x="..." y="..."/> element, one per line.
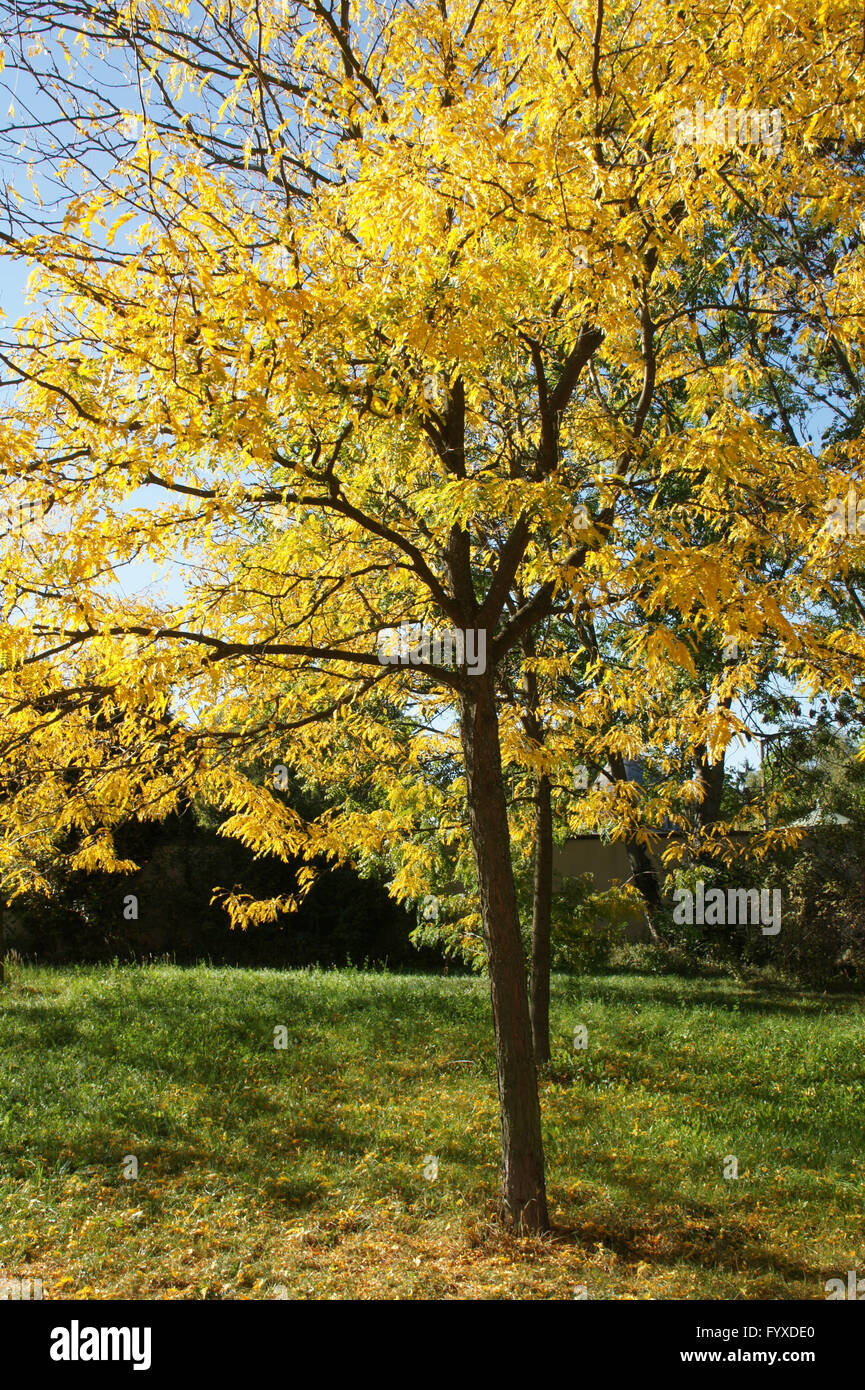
<point x="471" y="317"/>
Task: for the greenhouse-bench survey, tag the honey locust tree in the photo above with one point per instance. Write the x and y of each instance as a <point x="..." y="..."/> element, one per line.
<point x="365" y="271"/>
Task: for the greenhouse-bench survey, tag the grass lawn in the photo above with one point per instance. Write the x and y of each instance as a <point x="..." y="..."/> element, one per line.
<point x="303" y="1168"/>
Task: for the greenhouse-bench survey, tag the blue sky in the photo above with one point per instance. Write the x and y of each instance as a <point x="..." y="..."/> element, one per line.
<point x="140" y="577"/>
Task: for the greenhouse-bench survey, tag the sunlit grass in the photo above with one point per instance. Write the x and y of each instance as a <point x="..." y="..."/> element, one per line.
<point x="302" y="1168"/>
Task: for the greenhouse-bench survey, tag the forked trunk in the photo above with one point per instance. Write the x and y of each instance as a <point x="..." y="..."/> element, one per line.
<point x="524" y="1201"/>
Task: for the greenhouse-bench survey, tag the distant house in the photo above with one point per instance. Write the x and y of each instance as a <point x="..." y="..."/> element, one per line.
<point x="608" y="863"/>
<point x="819" y="817"/>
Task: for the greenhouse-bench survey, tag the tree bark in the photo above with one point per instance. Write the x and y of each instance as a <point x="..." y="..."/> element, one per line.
<point x="712" y="780"/>
<point x="642" y="869"/>
<point x="542" y="905"/>
<point x="646" y="883"/>
<point x="542" y="898"/>
<point x="523" y="1201"/>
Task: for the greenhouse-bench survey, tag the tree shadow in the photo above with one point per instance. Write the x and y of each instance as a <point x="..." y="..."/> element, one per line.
<point x="746" y="1000"/>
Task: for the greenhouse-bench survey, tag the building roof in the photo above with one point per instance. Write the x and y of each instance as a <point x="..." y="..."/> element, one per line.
<point x="820" y="817"/>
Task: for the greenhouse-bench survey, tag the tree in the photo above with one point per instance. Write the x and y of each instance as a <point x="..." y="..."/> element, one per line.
<point x="406" y="280"/>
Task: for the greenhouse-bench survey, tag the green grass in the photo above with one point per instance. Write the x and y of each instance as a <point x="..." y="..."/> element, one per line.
<point x="303" y="1168"/>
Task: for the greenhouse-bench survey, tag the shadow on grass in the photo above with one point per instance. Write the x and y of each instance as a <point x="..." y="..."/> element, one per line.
<point x="256" y="1115"/>
<point x="212" y="1032"/>
<point x="691" y="1234"/>
<point x="746" y="999"/>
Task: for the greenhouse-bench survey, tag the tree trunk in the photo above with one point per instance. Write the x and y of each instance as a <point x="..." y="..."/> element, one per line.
<point x="524" y="1200"/>
<point x="712" y="779"/>
<point x="542" y="900"/>
<point x="542" y="904"/>
<point x="646" y="883"/>
<point x="643" y="871"/>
